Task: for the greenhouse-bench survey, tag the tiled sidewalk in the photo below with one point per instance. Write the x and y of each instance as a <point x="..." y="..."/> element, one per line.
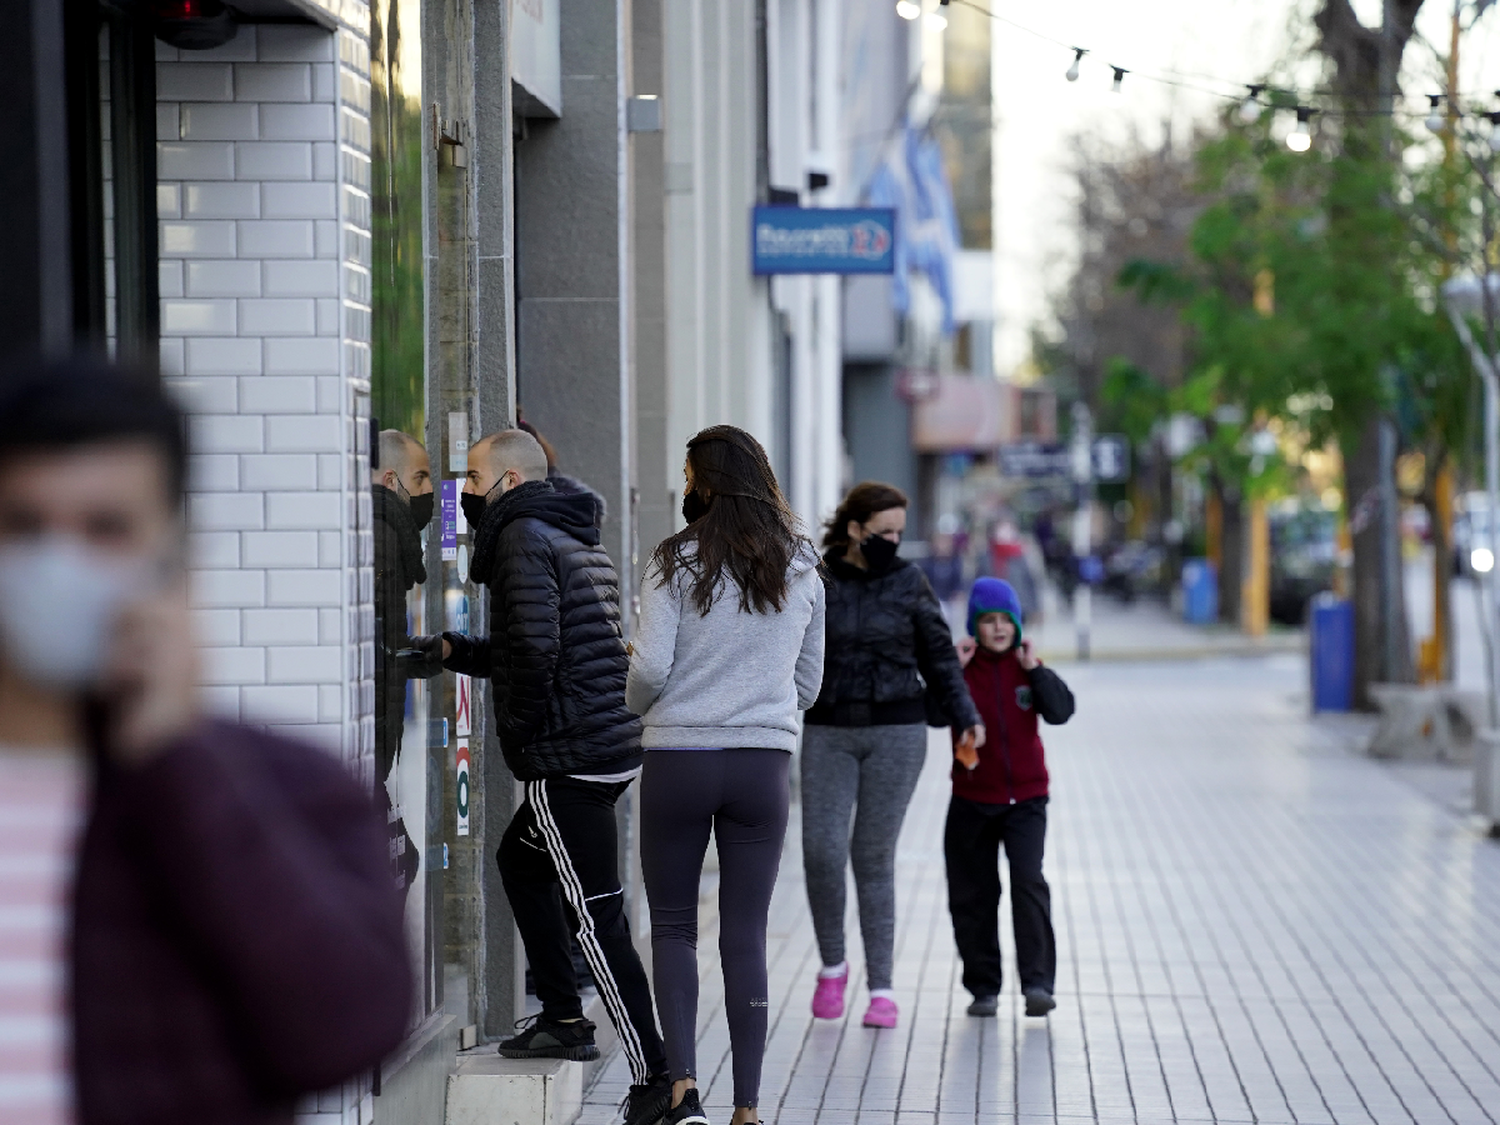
<point x="1254" y="926"/>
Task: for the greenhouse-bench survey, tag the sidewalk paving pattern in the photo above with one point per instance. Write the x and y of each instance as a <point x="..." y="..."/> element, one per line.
<point x="1254" y="925"/>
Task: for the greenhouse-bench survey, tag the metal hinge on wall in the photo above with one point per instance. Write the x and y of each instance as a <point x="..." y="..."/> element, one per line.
<point x="453" y="132"/>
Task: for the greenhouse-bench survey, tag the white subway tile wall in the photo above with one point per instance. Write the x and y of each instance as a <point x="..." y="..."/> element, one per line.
<point x="264" y="168"/>
<point x="264" y="239"/>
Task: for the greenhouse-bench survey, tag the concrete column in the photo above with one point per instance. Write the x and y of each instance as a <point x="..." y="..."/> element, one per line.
<point x="573" y="235"/>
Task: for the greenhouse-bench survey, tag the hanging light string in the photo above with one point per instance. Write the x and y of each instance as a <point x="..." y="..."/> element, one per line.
<point x="1251" y="96"/>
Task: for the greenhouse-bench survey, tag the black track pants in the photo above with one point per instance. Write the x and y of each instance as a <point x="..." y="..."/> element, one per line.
<point x="558" y="860"/>
<point x="971" y="845"/>
<point x="742" y="796"/>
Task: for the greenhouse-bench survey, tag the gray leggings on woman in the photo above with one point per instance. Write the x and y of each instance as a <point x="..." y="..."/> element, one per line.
<point x="872" y="773"/>
<point x="742" y="796"/>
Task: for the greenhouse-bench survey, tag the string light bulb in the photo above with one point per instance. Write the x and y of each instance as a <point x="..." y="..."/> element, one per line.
<point x="1435" y="120"/>
<point x="937" y="21"/>
<point x="1078" y="53"/>
<point x="1120" y="73"/>
<point x="1250" y="107"/>
<point x="1299" y="139"/>
<point x="908" y="9"/>
<point x="1494" y="131"/>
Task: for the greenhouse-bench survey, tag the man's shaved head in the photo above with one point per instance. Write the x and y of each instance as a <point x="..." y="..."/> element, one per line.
<point x="406" y="457"/>
<point x="509" y="451"/>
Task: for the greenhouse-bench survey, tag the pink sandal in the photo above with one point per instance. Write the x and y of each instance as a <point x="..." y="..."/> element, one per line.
<point x="828" y="997"/>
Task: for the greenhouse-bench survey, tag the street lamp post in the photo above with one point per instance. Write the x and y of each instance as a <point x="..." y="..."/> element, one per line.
<point x="1463" y="297"/>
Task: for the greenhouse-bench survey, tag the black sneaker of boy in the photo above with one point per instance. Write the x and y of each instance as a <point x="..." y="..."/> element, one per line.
<point x="1039" y="1002"/>
<point x="984" y="1006"/>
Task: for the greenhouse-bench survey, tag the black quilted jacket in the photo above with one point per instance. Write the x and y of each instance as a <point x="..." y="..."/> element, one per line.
<point x="888" y="647"/>
<point x="555" y="655"/>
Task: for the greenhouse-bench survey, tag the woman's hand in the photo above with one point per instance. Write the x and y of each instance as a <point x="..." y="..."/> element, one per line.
<point x="966" y="647"/>
<point x="977" y="732"/>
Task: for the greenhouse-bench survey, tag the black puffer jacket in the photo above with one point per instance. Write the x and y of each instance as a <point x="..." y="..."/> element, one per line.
<point x="886" y="638"/>
<point x="555" y="654"/>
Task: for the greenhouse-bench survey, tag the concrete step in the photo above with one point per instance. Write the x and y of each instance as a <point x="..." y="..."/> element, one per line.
<point x="486" y="1089"/>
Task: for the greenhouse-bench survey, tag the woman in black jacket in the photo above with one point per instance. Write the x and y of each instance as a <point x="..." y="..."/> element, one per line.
<point x="888" y="649"/>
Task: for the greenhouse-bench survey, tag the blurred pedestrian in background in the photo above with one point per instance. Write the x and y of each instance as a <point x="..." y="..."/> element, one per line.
<point x="211" y="927"/>
<point x="557" y="661"/>
<point x="1000" y="798"/>
<point x="890" y="654"/>
<point x="729" y="649"/>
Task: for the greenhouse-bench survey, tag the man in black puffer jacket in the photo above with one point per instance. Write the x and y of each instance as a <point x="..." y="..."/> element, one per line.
<point x="557" y="663"/>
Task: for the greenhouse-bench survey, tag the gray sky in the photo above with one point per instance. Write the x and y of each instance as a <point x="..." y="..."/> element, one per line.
<point x="1231" y="41"/>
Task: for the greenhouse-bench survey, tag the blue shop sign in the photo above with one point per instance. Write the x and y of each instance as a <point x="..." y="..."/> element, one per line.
<point x="823" y="240"/>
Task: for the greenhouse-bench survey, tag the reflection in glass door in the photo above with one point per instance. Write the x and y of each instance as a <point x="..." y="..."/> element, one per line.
<point x="408" y="665"/>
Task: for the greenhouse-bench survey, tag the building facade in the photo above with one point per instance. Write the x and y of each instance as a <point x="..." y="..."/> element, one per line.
<point x="347" y="228"/>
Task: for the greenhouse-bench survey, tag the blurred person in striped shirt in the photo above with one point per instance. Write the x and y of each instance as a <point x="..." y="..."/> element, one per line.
<point x="197" y="920"/>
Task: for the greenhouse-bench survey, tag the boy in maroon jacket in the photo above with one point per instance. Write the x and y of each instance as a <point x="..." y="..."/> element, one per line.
<point x="1000" y="797"/>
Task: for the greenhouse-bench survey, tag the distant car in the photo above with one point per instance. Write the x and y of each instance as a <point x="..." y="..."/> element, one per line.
<point x="1304" y="558"/>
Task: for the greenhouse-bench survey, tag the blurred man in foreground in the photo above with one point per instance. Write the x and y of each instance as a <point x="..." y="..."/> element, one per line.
<point x="197" y="920"/>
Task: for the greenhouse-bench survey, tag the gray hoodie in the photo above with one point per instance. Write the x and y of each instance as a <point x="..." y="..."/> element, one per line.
<point x="730" y="679"/>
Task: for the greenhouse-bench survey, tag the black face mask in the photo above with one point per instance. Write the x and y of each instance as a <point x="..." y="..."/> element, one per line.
<point x="473" y="505"/>
<point x="421" y="510"/>
<point x="879" y="552"/>
<point x="694" y="507"/>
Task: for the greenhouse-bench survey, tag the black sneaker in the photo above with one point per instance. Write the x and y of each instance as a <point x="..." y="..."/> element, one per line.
<point x="686" y="1112"/>
<point x="984" y="1006"/>
<point x="1039" y="1002"/>
<point x="541" y="1038"/>
<point x="644" y="1105"/>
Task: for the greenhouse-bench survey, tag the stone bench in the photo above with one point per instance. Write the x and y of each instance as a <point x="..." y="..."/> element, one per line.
<point x="1426" y="722"/>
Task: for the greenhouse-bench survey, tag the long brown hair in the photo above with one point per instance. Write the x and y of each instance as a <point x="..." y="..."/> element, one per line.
<point x="748" y="530"/>
<point x="866" y="499"/>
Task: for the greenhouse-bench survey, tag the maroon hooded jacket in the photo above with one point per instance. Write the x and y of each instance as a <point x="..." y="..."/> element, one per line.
<point x="1012" y="766"/>
<point x="237" y="935"/>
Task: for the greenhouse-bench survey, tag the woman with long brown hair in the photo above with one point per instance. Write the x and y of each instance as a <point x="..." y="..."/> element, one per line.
<point x="728" y="650"/>
<point x="889" y="651"/>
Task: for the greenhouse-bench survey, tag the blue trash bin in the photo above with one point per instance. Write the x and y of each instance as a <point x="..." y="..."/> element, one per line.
<point x="1331" y="652"/>
<point x="1200" y="592"/>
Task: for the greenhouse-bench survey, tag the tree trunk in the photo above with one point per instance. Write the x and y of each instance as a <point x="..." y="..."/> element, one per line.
<point x="1366" y="61"/>
<point x="1442" y="560"/>
<point x="1375" y="612"/>
<point x="1232" y="568"/>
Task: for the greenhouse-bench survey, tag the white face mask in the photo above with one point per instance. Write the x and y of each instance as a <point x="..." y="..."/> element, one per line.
<point x="59" y="604"/>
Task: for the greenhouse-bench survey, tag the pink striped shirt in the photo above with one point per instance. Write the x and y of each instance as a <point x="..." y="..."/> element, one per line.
<point x="42" y="802"/>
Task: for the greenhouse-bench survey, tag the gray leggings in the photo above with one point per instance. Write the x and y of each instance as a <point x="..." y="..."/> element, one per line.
<point x="742" y="795"/>
<point x="876" y="769"/>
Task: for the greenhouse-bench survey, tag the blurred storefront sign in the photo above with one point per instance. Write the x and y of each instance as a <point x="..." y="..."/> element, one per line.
<point x="822" y="240"/>
<point x="1042" y="459"/>
<point x="965" y="412"/>
<point x="536" y="57"/>
<point x="976" y="413"/>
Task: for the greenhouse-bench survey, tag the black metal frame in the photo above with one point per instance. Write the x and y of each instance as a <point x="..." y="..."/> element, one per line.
<point x="131" y="67"/>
